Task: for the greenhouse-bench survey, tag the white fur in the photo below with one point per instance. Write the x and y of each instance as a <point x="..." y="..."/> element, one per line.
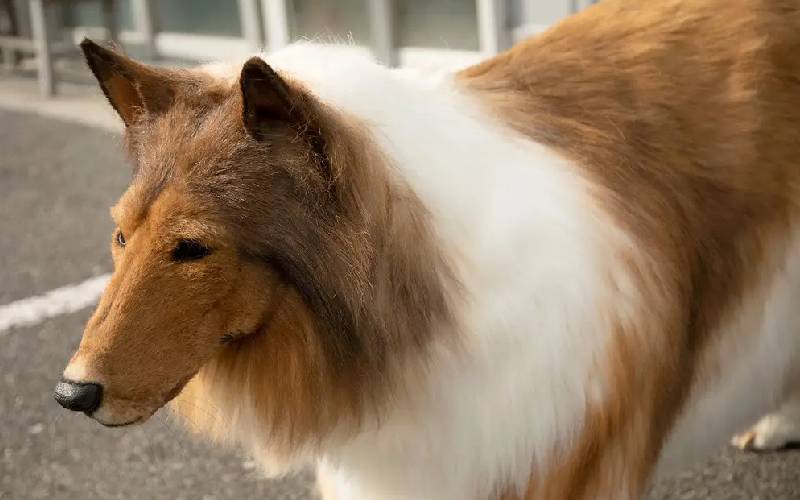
<point x="745" y="374"/>
<point x="536" y="256"/>
<point x="77" y="369"/>
<point x="775" y="430"/>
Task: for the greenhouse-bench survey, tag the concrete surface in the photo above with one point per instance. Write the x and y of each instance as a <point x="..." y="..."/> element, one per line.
<point x="74" y="102"/>
<point x="57" y="181"/>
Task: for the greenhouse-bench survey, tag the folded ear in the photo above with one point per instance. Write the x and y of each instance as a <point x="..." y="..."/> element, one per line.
<point x="133" y="89"/>
<point x="266" y="97"/>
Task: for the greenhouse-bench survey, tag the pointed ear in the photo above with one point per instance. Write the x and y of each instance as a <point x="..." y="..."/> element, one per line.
<point x="132" y="88"/>
<point x="266" y="97"/>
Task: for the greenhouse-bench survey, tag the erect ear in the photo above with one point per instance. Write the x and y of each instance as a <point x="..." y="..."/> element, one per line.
<point x="266" y="97"/>
<point x="268" y="100"/>
<point x="133" y="89"/>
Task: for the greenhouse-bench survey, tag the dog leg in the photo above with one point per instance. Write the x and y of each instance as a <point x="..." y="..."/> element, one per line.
<point x="330" y="483"/>
<point x="775" y="430"/>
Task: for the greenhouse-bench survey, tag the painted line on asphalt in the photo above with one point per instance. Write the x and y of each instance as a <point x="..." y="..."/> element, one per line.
<point x="63" y="300"/>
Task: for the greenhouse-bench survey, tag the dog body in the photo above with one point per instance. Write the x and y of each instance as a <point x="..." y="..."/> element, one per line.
<point x="557" y="274"/>
<point x="531" y="254"/>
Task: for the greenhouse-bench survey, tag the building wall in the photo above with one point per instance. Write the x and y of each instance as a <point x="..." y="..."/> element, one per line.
<point x="210" y="29"/>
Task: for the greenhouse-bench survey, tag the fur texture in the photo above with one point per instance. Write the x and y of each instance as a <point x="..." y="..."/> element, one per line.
<point x="555" y="275"/>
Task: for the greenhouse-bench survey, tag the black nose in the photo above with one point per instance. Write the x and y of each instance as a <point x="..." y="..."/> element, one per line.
<point x="79" y="396"/>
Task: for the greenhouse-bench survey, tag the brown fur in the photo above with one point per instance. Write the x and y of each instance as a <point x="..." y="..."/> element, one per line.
<point x="309" y="273"/>
<point x="685" y="114"/>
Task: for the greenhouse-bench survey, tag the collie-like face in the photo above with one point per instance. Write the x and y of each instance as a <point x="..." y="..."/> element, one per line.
<point x="260" y="251"/>
<point x="180" y="291"/>
<point x="216" y="167"/>
<point x="263" y="275"/>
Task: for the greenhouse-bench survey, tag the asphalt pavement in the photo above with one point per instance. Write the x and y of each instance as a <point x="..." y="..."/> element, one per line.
<point x="57" y="181"/>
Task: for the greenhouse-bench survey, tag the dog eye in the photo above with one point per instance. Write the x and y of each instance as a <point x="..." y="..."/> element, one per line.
<point x="120" y="239"/>
<point x="189" y="250"/>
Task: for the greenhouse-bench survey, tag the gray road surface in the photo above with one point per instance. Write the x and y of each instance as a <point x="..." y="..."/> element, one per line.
<point x="56" y="183"/>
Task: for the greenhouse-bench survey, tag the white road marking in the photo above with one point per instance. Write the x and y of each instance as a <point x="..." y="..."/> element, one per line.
<point x="63" y="300"/>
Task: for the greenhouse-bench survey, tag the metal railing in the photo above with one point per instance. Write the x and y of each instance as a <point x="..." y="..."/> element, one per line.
<point x="265" y="25"/>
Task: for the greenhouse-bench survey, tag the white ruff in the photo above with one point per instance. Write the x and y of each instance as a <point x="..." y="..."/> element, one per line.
<point x="532" y="254"/>
<point x="536" y="255"/>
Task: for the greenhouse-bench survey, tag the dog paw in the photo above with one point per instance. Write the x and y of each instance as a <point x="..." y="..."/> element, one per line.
<point x="772" y="432"/>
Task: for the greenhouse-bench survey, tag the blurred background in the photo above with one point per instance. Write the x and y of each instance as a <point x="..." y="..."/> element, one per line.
<point x="397" y="32"/>
<point x="61" y="167"/>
